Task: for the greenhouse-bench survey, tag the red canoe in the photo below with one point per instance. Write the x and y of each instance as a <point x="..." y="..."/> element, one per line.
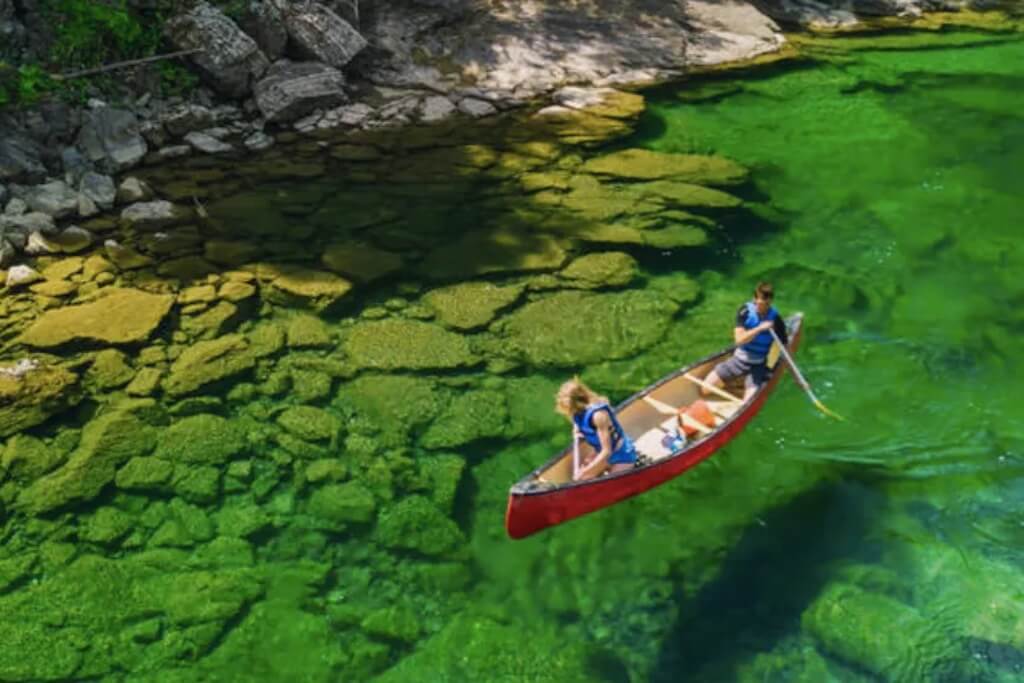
<point x="547" y="496"/>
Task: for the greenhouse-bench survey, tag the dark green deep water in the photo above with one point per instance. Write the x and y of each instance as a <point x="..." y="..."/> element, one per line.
<point x="885" y="201"/>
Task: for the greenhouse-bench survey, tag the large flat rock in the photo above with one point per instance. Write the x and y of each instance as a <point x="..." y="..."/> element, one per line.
<point x="122" y="317"/>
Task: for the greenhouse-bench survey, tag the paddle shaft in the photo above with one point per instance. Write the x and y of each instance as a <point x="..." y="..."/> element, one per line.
<point x="804" y="384"/>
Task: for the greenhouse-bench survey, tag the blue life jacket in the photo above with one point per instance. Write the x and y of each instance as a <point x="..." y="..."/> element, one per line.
<point x="621" y="444"/>
<point x="757" y="348"/>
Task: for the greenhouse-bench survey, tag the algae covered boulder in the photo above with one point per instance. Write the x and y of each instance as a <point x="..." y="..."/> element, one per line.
<point x="575" y="328"/>
<point x="26" y="458"/>
<point x="605" y="269"/>
<point x="395" y="404"/>
<point x="342" y="504"/>
<point x="107" y="442"/>
<point x="362" y="263"/>
<point x="109" y="369"/>
<point x="470" y="416"/>
<point x="886" y="637"/>
<point x="210" y="361"/>
<point x="296" y="286"/>
<point x="497" y="250"/>
<point x="471" y="304"/>
<point x="309" y="423"/>
<point x="415" y="523"/>
<point x="32" y="391"/>
<point x="123" y="316"/>
<point x="201" y="439"/>
<point x="644" y="164"/>
<point x="406" y="344"/>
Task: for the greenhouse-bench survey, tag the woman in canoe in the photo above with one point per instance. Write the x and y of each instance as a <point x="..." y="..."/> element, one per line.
<point x="594" y="421"/>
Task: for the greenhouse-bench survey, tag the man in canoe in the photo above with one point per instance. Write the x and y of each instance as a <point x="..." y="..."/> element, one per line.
<point x="754" y="322"/>
<point x="593" y="420"/>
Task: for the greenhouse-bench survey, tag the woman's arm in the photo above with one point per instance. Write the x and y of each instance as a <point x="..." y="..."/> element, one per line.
<point x="604" y="433"/>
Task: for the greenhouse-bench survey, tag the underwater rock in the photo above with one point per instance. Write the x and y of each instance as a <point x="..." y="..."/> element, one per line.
<point x="493" y="251"/>
<point x="145" y="382"/>
<point x="122" y="258"/>
<point x="297" y="286"/>
<point x="309" y="423"/>
<point x="444" y="472"/>
<point x="882" y="635"/>
<point x="54" y="288"/>
<point x="342" y="504"/>
<point x="27" y="458"/>
<point x="209" y="361"/>
<point x="607" y="102"/>
<point x="242" y="521"/>
<point x="575" y="127"/>
<point x="202" y="439"/>
<point x="105" y="526"/>
<point x="600" y="327"/>
<point x="362" y="263"/>
<point x="31" y="391"/>
<point x="395" y="404"/>
<point x="144" y="474"/>
<point x="605" y="269"/>
<point x="643" y="164"/>
<point x="415" y="523"/>
<point x="122" y="316"/>
<point x="307" y="331"/>
<point x="154" y="215"/>
<point x="223" y="317"/>
<point x="470" y="416"/>
<point x="471" y="305"/>
<point x="406" y="344"/>
<point x="393" y="623"/>
<point x="107" y="442"/>
<point x="109" y="369"/>
<point x="231" y="253"/>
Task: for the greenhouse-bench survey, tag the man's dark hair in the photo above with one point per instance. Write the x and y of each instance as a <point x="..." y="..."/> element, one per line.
<point x="764" y="290"/>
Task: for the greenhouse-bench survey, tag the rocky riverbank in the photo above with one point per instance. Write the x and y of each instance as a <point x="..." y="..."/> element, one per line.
<point x="280" y="66"/>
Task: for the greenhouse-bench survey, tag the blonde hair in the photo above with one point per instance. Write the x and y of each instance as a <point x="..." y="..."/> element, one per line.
<point x="574" y="396"/>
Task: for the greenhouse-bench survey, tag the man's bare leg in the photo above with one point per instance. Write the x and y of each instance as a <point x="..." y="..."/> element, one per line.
<point x="712" y="379"/>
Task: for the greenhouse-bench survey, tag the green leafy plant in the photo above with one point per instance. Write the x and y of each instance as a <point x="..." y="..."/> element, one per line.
<point x="175" y="79"/>
<point x="24" y="85"/>
<point x="91" y="33"/>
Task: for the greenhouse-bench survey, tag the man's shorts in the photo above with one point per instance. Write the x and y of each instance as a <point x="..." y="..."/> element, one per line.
<point x="756" y="373"/>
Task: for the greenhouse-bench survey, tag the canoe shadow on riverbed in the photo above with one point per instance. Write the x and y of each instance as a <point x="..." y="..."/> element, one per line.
<point x="771" y="576"/>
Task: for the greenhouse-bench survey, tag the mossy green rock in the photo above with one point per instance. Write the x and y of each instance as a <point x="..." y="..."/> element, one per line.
<point x="223" y="317"/>
<point x="29" y="398"/>
<point x="472" y="415"/>
<point x="415" y="523"/>
<point x="395" y="404"/>
<point x="307" y="331"/>
<point x="242" y="521"/>
<point x="465" y="651"/>
<point x="444" y="472"/>
<point x="208" y="361"/>
<point x="123" y="316"/>
<point x="676" y="193"/>
<point x="571" y="329"/>
<point x="109" y="369"/>
<point x="362" y="263"/>
<point x="27" y="458"/>
<point x="341" y="504"/>
<point x="471" y="304"/>
<point x="229" y="253"/>
<point x="499" y="250"/>
<point x="203" y="439"/>
<point x="606" y="269"/>
<point x="643" y="164"/>
<point x="886" y="637"/>
<point x="406" y="345"/>
<point x="144" y="474"/>
<point x="196" y="483"/>
<point x="316" y="289"/>
<point x="107" y="442"/>
<point x="106" y="525"/>
<point x="309" y="423"/>
<point x="393" y="623"/>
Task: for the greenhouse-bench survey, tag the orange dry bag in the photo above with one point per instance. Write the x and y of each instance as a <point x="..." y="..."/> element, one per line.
<point x="699" y="411"/>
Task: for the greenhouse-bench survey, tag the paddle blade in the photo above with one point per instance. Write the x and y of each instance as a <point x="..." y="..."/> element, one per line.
<point x="823" y="408"/>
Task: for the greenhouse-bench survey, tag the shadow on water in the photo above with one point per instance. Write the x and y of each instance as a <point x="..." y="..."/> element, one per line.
<point x="768" y="580"/>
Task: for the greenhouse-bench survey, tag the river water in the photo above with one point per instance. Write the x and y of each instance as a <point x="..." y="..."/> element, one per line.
<point x="363" y="539"/>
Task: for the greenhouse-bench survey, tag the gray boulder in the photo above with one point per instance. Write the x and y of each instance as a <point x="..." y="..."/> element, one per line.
<point x="111" y="140"/>
<point x="319" y="34"/>
<point x="292" y="90"/>
<point x="187" y="118"/>
<point x="346" y="9"/>
<point x="54" y="198"/>
<point x="133" y="190"/>
<point x="264" y="23"/>
<point x="99" y="188"/>
<point x="207" y="143"/>
<point x="15" y="207"/>
<point x="20" y="160"/>
<point x="231" y="61"/>
<point x="7" y="253"/>
<point x="258" y="141"/>
<point x="154" y="215"/>
<point x="29" y="222"/>
<point x="75" y="165"/>
<point x="3" y="194"/>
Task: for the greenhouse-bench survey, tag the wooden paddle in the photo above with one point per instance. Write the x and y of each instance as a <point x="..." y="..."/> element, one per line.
<point x="801" y="381"/>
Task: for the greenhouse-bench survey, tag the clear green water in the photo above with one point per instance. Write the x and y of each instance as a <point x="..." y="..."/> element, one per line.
<point x="887" y="547"/>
